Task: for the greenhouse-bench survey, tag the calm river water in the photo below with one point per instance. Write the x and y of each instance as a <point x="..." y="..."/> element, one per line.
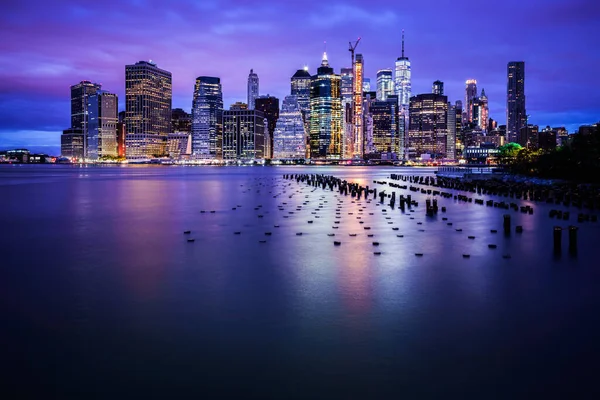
<point x="103" y="296"/>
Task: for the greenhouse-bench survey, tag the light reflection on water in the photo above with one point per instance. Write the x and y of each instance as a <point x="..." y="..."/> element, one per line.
<point x="102" y="255"/>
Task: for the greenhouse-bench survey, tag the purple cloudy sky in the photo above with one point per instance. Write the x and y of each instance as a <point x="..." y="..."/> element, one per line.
<point x="49" y="45"/>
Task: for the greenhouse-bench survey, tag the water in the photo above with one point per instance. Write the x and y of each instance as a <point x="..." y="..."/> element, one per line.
<point x="102" y="296"/>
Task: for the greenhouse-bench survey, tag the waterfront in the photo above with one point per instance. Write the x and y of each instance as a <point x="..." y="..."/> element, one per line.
<point x="105" y="296"/>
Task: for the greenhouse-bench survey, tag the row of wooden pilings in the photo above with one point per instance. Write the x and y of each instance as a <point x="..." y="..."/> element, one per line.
<point x="567" y="194"/>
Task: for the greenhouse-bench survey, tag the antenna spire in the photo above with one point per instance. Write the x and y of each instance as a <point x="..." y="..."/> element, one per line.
<point x="402" y="43"/>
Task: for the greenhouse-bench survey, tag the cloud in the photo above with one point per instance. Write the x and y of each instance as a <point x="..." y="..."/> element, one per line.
<point x="336" y="14"/>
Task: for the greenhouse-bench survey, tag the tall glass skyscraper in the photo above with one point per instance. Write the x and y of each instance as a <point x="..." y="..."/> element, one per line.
<point x="385" y="84"/>
<point x="347" y="119"/>
<point x="289" y="138"/>
<point x="78" y="132"/>
<point x="402" y="79"/>
<point x="269" y="105"/>
<point x="358" y="142"/>
<point x="252" y="89"/>
<point x="148" y="94"/>
<point x="451" y="138"/>
<point x="102" y="127"/>
<point x="79" y="103"/>
<point x="516" y="117"/>
<point x="470" y="97"/>
<point x="207" y="118"/>
<point x="325" y="113"/>
<point x="300" y="87"/>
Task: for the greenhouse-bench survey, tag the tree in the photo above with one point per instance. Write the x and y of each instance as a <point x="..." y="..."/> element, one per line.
<point x="507" y="153"/>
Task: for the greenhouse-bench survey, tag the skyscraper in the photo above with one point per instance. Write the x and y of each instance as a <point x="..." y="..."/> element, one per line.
<point x="484" y="111"/>
<point x="269" y="105"/>
<point x="402" y="79"/>
<point x="300" y="87"/>
<point x="470" y="96"/>
<point x="325" y="113"/>
<point x="243" y="134"/>
<point x="451" y="138"/>
<point x="428" y="125"/>
<point x="438" y="88"/>
<point x="516" y="116"/>
<point x="148" y="94"/>
<point x="79" y="103"/>
<point x="252" y="89"/>
<point x="357" y="137"/>
<point x="79" y="120"/>
<point x="289" y="138"/>
<point x="347" y="112"/>
<point x="102" y="125"/>
<point x="207" y="118"/>
<point x="386" y="128"/>
<point x="385" y="84"/>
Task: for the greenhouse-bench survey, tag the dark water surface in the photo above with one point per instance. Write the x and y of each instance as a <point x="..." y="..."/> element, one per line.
<point x="102" y="296"/>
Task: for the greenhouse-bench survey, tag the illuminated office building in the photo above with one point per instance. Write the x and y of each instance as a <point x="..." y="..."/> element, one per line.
<point x="148" y="94"/>
<point x="428" y="126"/>
<point x="357" y="137"/>
<point x="102" y="126"/>
<point x="385" y="84"/>
<point x="451" y="137"/>
<point x="207" y="118"/>
<point x="347" y="119"/>
<point x="72" y="143"/>
<point x="79" y="103"/>
<point x="289" y="138"/>
<point x="516" y="117"/>
<point x="243" y="134"/>
<point x="402" y="80"/>
<point x="470" y="96"/>
<point x="387" y="128"/>
<point x="252" y="89"/>
<point x="325" y="113"/>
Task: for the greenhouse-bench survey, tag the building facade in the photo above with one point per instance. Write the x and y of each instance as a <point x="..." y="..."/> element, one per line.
<point x="451" y="138"/>
<point x="72" y="144"/>
<point x="516" y="116"/>
<point x="102" y="127"/>
<point x="428" y="126"/>
<point x="269" y="105"/>
<point x="325" y="113"/>
<point x="347" y="91"/>
<point x="148" y="96"/>
<point x="358" y="141"/>
<point x="438" y="88"/>
<point x="252" y="89"/>
<point x="387" y="127"/>
<point x="402" y="79"/>
<point x="181" y="121"/>
<point x="207" y="118"/>
<point x="289" y="137"/>
<point x="385" y="84"/>
<point x="243" y="134"/>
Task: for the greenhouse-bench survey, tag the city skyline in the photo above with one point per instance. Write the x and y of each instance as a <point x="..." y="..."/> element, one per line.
<point x="233" y="40"/>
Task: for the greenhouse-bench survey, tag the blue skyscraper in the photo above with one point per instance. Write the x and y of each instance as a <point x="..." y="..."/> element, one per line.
<point x="207" y="118"/>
